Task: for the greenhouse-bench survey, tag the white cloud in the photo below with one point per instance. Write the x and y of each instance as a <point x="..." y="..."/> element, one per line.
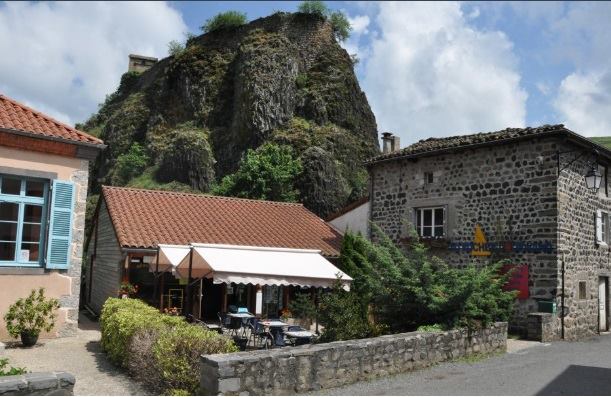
<point x="359" y="24"/>
<point x="584" y="96"/>
<point x="430" y="73"/>
<point x="584" y="100"/>
<point x="63" y="58"/>
<point x="543" y="88"/>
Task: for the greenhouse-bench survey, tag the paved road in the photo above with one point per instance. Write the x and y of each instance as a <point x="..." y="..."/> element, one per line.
<point x="560" y="368"/>
<point x="82" y="357"/>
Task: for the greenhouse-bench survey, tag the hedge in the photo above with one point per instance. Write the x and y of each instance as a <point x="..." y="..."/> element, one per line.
<point x="159" y="350"/>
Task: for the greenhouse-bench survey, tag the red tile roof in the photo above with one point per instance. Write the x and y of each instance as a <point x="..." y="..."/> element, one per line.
<point x="145" y="218"/>
<point x="18" y="117"/>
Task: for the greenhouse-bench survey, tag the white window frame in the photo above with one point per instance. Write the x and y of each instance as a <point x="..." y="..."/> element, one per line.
<point x="419" y="213"/>
<point x="602" y="228"/>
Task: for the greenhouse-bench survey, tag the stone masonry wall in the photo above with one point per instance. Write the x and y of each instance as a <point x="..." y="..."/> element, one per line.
<point x="509" y="190"/>
<point x="584" y="259"/>
<point x="320" y="366"/>
<point x="70" y="303"/>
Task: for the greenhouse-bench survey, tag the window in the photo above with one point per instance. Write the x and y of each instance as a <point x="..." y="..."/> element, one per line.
<point x="428" y="178"/>
<point x="582" y="290"/>
<point x="430" y="222"/>
<point x="22" y="220"/>
<point x="602" y="227"/>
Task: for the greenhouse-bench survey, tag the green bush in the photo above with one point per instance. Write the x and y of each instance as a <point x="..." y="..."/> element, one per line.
<point x="12" y="370"/>
<point x="31" y="315"/>
<point x="177" y="354"/>
<point x="224" y="20"/>
<point x="302" y="307"/>
<point x="121" y="318"/>
<point x="430" y="328"/>
<point x="175" y="48"/>
<point x="159" y="350"/>
<point x="129" y="165"/>
<point x="267" y="173"/>
<point x="315" y="7"/>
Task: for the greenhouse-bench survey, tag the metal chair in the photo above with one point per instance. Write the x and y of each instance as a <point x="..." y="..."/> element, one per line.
<point x="258" y="334"/>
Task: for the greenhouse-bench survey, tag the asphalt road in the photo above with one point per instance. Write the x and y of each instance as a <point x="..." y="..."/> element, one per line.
<point x="559" y="368"/>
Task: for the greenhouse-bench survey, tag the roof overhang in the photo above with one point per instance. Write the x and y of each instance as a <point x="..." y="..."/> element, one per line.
<point x="85" y="150"/>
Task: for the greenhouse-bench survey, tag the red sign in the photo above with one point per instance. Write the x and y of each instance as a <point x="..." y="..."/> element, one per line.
<point x="518" y="281"/>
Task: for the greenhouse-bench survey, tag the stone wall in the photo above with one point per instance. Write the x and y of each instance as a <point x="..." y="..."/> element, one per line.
<point x="508" y="189"/>
<point x="584" y="259"/>
<point x="320" y="366"/>
<point x="38" y="384"/>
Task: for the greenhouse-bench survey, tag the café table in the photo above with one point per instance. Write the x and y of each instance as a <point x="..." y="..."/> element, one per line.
<point x="299" y="337"/>
<point x="243" y="318"/>
<point x="275" y="328"/>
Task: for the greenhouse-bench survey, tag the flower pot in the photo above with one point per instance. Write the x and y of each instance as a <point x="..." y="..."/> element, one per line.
<point x="28" y="339"/>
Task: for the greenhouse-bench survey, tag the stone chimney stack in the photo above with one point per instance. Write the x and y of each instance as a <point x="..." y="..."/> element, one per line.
<point x="390" y="142"/>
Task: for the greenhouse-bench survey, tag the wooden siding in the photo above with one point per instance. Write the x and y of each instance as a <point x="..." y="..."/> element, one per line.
<point x="108" y="261"/>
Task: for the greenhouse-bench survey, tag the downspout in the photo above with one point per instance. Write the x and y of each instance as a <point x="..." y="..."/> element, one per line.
<point x="562" y="313"/>
<point x="93" y="258"/>
<point x="188" y="308"/>
<point x="156" y="276"/>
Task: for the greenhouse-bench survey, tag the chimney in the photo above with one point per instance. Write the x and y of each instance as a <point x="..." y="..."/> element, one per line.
<point x="396" y="145"/>
<point x="140" y="63"/>
<point x="387" y="142"/>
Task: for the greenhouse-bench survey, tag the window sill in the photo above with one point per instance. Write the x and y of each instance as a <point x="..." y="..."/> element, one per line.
<point x="602" y="245"/>
<point x="21" y="271"/>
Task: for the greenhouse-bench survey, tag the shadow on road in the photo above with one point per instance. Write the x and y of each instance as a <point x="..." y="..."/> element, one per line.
<point x="579" y="380"/>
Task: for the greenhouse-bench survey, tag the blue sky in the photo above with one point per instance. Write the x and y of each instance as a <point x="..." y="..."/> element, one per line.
<point x="428" y="69"/>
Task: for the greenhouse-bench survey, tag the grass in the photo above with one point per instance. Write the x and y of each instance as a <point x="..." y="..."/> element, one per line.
<point x="476" y="357"/>
<point x="602" y="140"/>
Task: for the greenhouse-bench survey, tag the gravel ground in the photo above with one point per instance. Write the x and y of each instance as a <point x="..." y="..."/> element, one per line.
<point x="560" y="368"/>
<point x="82" y="357"/>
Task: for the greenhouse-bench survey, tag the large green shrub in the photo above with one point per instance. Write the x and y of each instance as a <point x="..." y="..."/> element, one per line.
<point x="403" y="291"/>
<point x="177" y="354"/>
<point x="159" y="350"/>
<point x="121" y="318"/>
<point x="224" y="20"/>
<point x="267" y="173"/>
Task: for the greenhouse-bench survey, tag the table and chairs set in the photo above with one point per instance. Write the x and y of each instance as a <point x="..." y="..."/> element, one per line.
<point x="250" y="332"/>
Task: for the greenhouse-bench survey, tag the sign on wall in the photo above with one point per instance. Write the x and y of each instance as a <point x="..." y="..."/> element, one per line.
<point x="481" y="247"/>
<point x="518" y="280"/>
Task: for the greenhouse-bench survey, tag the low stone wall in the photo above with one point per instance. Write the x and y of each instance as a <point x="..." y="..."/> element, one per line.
<point x="541" y="327"/>
<point x="319" y="366"/>
<point x="37" y="384"/>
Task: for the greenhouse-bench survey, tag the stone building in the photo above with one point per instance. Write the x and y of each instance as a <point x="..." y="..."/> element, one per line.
<point x="140" y="63"/>
<point x="519" y="194"/>
<point x="44" y="169"/>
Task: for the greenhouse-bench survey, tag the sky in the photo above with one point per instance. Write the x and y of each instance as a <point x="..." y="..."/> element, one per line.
<point x="428" y="69"/>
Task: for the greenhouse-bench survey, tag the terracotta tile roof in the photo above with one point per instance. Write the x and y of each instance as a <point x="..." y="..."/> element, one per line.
<point x="425" y="146"/>
<point x="145" y="218"/>
<point x="18" y="117"/>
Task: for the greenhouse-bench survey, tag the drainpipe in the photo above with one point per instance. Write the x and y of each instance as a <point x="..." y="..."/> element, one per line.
<point x="562" y="314"/>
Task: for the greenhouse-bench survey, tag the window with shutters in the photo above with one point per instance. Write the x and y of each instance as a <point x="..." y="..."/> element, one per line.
<point x="602" y="228"/>
<point x="23" y="208"/>
<point x="430" y="222"/>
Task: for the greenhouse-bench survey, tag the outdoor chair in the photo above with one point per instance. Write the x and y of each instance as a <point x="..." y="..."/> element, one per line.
<point x="235" y="325"/>
<point x="224" y="321"/>
<point x="260" y="338"/>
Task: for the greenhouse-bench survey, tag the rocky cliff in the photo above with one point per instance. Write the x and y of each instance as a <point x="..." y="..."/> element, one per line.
<point x="282" y="78"/>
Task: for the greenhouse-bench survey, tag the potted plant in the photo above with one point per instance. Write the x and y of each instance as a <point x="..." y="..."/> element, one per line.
<point x="127" y="290"/>
<point x="29" y="316"/>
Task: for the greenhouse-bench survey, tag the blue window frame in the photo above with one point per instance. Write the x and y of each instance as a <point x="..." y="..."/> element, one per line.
<point x="23" y="220"/>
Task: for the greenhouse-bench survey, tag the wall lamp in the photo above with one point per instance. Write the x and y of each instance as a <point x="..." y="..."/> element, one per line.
<point x="593" y="177"/>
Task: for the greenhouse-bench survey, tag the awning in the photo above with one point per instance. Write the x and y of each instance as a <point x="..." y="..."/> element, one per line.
<point x="261" y="265"/>
<point x="169" y="257"/>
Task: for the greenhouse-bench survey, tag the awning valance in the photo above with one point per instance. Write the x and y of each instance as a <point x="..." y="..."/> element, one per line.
<point x="257" y="265"/>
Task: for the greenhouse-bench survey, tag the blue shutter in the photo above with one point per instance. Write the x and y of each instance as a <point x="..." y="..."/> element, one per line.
<point x="60" y="227"/>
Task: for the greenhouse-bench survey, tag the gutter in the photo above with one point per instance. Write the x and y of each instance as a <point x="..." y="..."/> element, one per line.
<point x="99" y="146"/>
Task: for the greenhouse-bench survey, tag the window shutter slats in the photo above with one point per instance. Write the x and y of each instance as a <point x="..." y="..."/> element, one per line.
<point x="60" y="227"/>
<point x="599" y="229"/>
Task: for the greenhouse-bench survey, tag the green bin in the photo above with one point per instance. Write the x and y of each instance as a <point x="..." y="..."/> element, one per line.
<point x="547" y="307"/>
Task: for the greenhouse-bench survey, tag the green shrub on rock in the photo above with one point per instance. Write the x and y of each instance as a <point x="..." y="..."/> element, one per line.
<point x="224" y="20"/>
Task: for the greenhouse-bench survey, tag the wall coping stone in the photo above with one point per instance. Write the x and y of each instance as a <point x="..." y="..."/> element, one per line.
<point x="311" y="367"/>
<point x="38" y="384"/>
